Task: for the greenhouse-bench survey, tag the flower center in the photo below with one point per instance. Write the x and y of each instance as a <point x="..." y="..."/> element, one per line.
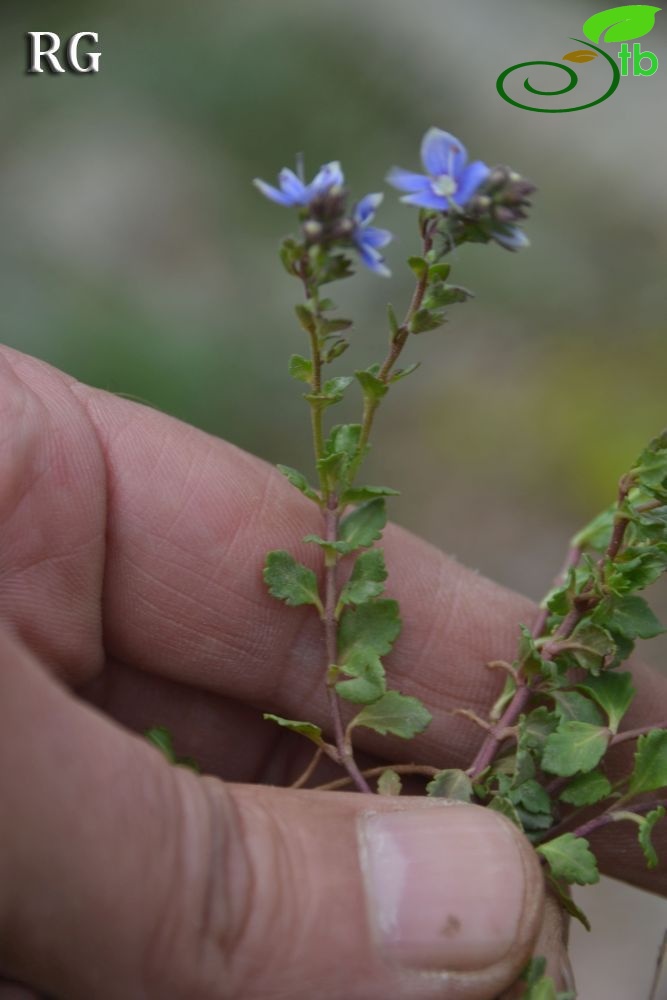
<point x="445" y="185"/>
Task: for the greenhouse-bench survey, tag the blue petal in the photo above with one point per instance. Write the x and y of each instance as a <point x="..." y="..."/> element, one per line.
<point x="273" y="193"/>
<point x="405" y="180"/>
<point x="365" y="209"/>
<point x="371" y="236"/>
<point x="442" y="153"/>
<point x="511" y="237"/>
<point x="473" y="176"/>
<point x="373" y="260"/>
<point x="330" y="175"/>
<point x="293" y="187"/>
<point x="427" y="199"/>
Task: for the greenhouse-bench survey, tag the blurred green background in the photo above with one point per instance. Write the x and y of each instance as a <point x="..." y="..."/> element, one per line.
<point x="136" y="254"/>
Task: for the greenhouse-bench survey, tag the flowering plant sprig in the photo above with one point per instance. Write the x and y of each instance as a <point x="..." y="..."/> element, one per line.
<point x="542" y="760"/>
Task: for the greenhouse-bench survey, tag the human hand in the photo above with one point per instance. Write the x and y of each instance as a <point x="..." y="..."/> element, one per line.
<point x="131" y="576"/>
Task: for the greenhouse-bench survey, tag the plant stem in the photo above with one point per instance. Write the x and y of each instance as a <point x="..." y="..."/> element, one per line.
<point x="375" y="772"/>
<point x="609" y="817"/>
<point x="398" y="342"/>
<point x="633" y="734"/>
<point x="301" y="781"/>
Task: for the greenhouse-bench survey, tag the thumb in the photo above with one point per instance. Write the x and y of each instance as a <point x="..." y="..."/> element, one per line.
<point x="122" y="877"/>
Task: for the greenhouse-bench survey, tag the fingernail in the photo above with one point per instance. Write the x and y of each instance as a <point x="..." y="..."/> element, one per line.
<point x="445" y="886"/>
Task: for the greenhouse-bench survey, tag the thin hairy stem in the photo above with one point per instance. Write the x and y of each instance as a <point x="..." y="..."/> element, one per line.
<point x="309" y="771"/>
<point x="375" y="772"/>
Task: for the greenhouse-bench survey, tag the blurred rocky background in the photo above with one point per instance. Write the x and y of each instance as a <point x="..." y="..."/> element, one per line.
<point x="136" y="255"/>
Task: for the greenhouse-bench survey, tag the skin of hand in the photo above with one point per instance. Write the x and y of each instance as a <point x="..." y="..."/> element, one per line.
<point x="131" y="595"/>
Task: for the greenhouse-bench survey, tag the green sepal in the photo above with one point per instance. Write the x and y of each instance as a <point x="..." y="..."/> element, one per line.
<point x="366" y="580"/>
<point x="587" y="789"/>
<point x="372" y="387"/>
<point x="328" y="327"/>
<point x="299" y="481"/>
<point x="301" y="368"/>
<point x="364" y="525"/>
<point x="418" y="266"/>
<point x="452" y="783"/>
<point x="614" y="692"/>
<point x="389" y="783"/>
<point x="404" y="372"/>
<point x="570" y="859"/>
<point x="574" y="747"/>
<point x="307" y="729"/>
<point x="396" y="714"/>
<point x="337" y="348"/>
<point x="291" y="582"/>
<point x="650" y="770"/>
<point x="291" y="253"/>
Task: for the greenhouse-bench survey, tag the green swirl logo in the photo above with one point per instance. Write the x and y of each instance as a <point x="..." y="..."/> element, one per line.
<point x="618" y="24"/>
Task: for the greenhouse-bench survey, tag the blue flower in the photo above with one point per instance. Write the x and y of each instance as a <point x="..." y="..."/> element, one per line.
<point x="369" y="239"/>
<point x="293" y="190"/>
<point x="448" y="181"/>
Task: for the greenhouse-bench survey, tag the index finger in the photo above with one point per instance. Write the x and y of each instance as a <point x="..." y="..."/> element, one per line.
<point x="140" y="538"/>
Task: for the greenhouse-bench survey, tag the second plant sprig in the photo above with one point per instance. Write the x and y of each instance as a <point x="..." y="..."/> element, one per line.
<point x="459" y="203"/>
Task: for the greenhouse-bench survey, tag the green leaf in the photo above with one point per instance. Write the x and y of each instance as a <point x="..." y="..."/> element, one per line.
<point x="570" y="706"/>
<point x="299" y="481"/>
<point x="650" y="771"/>
<point x="368" y="677"/>
<point x="389" y="783"/>
<point x="629" y="616"/>
<point x="597" y="534"/>
<point x="291" y="582"/>
<point x="418" y="266"/>
<point x="427" y="319"/>
<point x="337" y="348"/>
<point x="504" y="698"/>
<point x="586" y="789"/>
<point x="532" y="796"/>
<point x="439" y="272"/>
<point x="644" y="833"/>
<point x="364" y="525"/>
<point x="301" y="368"/>
<point x="451" y="783"/>
<point x="393" y="321"/>
<point x="306" y="318"/>
<point x="504" y="805"/>
<point x="335" y="387"/>
<point x="636" y="568"/>
<point x="404" y="372"/>
<point x="327" y="327"/>
<point x="440" y="295"/>
<point x="394" y="713"/>
<point x="568" y="905"/>
<point x="614" y="692"/>
<point x="307" y="729"/>
<point x="370" y="627"/>
<point x="575" y="746"/>
<point x="620" y="24"/>
<point x="161" y="738"/>
<point x="373" y="388"/>
<point x="651" y="468"/>
<point x="529" y="659"/>
<point x="344" y="440"/>
<point x="570" y="858"/>
<point x="536" y="727"/>
<point x="591" y="646"/>
<point x="367" y="578"/>
<point x="341" y="548"/>
<point x="358" y="494"/>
